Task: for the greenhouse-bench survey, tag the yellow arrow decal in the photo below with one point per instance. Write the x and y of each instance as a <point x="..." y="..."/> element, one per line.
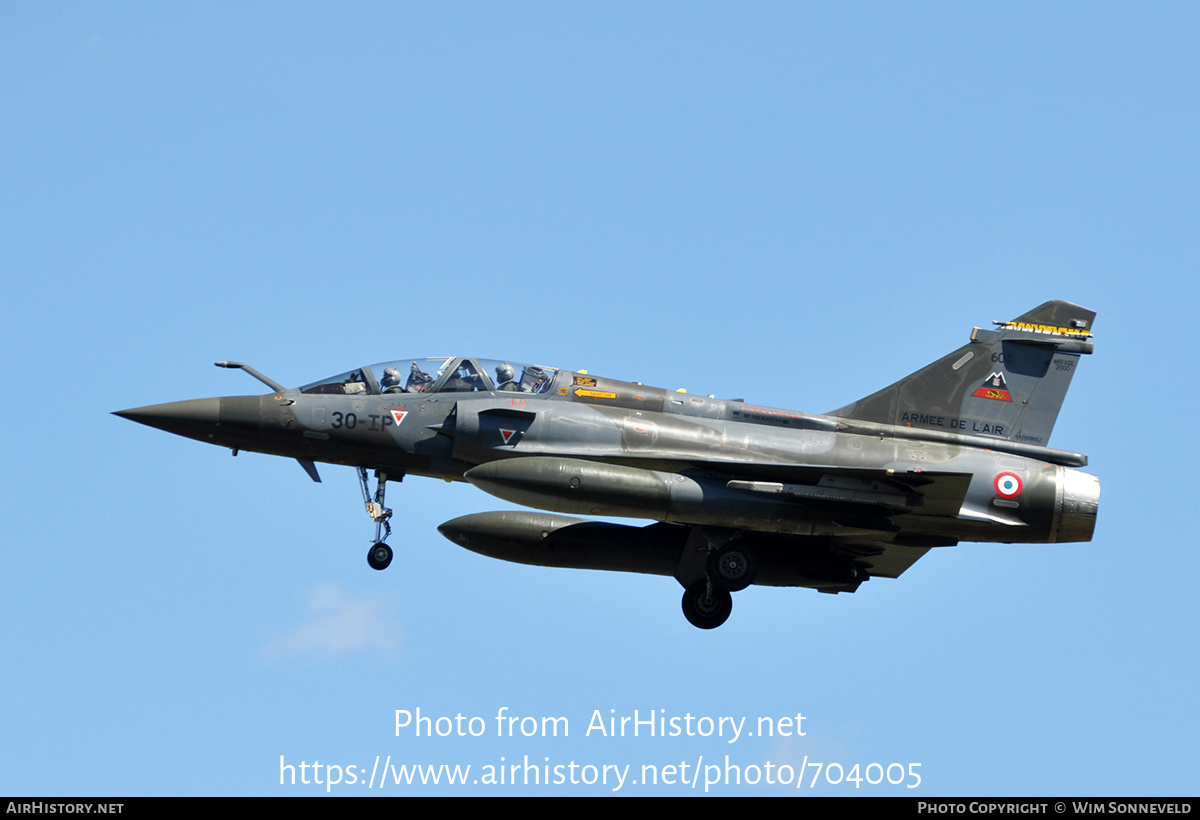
<point x="594" y="394"/>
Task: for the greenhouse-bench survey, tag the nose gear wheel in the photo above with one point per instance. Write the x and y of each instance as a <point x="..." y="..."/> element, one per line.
<point x="379" y="556"/>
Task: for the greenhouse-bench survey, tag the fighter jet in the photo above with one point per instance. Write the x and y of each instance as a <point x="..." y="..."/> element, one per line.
<point x="739" y="493"/>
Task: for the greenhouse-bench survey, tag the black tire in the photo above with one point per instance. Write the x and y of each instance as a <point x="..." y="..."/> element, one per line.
<point x="704" y="609"/>
<point x="732" y="567"/>
<point x="379" y="556"/>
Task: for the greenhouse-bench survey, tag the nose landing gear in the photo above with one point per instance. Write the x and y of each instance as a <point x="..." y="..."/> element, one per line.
<point x="380" y="554"/>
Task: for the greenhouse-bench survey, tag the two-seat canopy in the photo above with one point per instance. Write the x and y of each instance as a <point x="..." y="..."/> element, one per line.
<point x="437" y="375"/>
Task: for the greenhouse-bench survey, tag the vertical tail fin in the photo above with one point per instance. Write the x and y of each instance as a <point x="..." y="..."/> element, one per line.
<point x="1006" y="383"/>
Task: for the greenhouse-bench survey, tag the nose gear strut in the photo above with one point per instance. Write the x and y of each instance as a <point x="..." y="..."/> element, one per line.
<point x="380" y="554"/>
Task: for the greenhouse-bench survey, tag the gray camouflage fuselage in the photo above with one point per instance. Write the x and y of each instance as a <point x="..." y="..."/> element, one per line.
<point x="955" y="452"/>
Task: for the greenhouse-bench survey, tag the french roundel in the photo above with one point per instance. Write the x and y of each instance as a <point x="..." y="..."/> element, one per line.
<point x="1008" y="485"/>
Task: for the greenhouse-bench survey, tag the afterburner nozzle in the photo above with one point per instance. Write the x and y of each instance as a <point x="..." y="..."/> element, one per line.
<point x="1080" y="503"/>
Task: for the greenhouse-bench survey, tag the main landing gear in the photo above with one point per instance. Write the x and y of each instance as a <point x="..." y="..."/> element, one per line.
<point x="705" y="605"/>
<point x="728" y="567"/>
<point x="380" y="554"/>
<point x="732" y="567"/>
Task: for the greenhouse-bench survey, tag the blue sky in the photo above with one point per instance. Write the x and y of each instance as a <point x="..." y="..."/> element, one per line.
<point x="791" y="203"/>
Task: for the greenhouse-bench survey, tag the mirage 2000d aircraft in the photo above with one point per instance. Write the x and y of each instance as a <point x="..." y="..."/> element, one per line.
<point x="740" y="493"/>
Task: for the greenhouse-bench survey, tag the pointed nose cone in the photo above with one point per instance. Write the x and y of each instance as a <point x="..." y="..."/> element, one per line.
<point x="196" y="418"/>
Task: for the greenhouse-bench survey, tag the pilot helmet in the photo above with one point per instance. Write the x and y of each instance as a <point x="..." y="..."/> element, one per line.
<point x="505" y="372"/>
<point x="391" y="376"/>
